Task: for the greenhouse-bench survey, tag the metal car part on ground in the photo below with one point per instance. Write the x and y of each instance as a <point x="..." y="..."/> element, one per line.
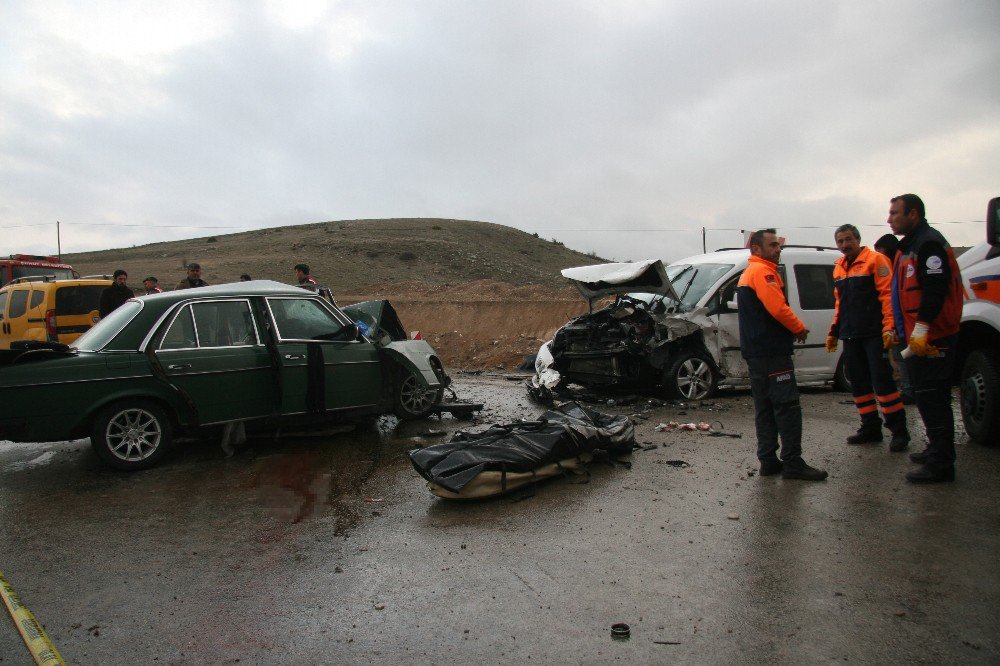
<point x="506" y="457"/>
<point x="675" y="329"/>
<point x="185" y="360"/>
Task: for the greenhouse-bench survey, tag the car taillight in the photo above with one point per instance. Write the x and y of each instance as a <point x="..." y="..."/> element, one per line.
<point x="50" y="326"/>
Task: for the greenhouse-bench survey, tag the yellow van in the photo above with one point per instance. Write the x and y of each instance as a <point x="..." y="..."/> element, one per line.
<point x="49" y="310"/>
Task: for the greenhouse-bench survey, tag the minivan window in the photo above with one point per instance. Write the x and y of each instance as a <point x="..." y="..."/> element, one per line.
<point x="692" y="282"/>
<point x="18" y="303"/>
<point x="37" y="297"/>
<point x="3" y="305"/>
<point x="79" y="300"/>
<point x="815" y="286"/>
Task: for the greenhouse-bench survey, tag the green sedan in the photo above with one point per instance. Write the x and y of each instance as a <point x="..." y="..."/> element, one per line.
<point x="259" y="352"/>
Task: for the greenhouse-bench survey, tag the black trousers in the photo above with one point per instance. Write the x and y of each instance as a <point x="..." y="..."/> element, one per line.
<point x="931" y="377"/>
<point x="872" y="385"/>
<point x="777" y="411"/>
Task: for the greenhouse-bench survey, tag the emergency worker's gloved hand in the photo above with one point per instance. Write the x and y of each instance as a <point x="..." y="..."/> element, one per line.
<point x="801" y="335"/>
<point x="918" y="341"/>
<point x="831" y="343"/>
<point x="888" y="339"/>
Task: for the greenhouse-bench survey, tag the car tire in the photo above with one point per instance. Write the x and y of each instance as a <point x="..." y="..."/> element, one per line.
<point x="980" y="396"/>
<point x="411" y="399"/>
<point x="841" y="380"/>
<point x="132" y="434"/>
<point x="690" y="376"/>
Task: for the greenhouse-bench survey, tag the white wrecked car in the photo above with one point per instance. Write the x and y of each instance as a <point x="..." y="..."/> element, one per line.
<point x="675" y="329"/>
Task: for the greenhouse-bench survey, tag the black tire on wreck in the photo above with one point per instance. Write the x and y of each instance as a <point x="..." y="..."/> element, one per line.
<point x="132" y="434"/>
<point x="690" y="376"/>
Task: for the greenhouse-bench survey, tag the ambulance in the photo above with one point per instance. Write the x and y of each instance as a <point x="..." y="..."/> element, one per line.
<point x="979" y="338"/>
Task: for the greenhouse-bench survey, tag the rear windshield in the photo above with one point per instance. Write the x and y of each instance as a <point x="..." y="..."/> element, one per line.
<point x="28" y="271"/>
<point x="78" y="300"/>
<point x="102" y="333"/>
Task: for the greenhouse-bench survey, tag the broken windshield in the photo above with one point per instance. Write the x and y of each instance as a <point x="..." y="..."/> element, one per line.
<point x="691" y="282"/>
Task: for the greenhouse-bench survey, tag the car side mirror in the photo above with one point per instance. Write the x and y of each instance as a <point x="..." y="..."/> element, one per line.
<point x="732" y="305"/>
<point x="350" y="332"/>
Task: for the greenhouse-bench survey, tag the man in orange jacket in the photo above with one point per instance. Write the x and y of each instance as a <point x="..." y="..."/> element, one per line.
<point x="862" y="318"/>
<point x="927" y="304"/>
<point x="767" y="328"/>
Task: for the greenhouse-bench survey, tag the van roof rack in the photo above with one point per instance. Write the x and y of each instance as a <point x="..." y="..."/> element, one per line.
<point x="32" y="278"/>
<point x="94" y="277"/>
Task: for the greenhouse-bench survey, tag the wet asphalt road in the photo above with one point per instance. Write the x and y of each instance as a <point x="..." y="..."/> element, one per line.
<point x="329" y="549"/>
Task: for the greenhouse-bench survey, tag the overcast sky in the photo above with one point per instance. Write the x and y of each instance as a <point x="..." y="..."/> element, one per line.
<point x="616" y="126"/>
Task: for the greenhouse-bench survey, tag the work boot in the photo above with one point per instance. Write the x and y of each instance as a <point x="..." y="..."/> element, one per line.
<point x="928" y="474"/>
<point x="866" y="435"/>
<point x="899" y="443"/>
<point x="770" y="468"/>
<point x="920" y="457"/>
<point x="804" y="472"/>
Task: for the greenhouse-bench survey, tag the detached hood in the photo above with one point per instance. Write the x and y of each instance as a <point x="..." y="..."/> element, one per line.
<point x="648" y="276"/>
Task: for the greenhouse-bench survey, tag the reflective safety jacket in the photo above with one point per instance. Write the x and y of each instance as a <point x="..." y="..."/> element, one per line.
<point x="862" y="296"/>
<point x="767" y="324"/>
<point x="927" y="283"/>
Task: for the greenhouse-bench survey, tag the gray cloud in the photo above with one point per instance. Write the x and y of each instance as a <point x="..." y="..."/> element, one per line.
<point x="551" y="117"/>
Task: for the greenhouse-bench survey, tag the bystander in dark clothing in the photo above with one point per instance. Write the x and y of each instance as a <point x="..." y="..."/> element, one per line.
<point x="306" y="281"/>
<point x="768" y="328"/>
<point x="152" y="286"/>
<point x="114" y="296"/>
<point x="193" y="278"/>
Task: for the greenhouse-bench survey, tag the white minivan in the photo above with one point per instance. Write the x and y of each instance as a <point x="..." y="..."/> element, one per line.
<point x="676" y="326"/>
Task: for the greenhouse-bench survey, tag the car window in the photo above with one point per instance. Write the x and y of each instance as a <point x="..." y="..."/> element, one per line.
<point x="78" y="300"/>
<point x="815" y="283"/>
<point x="224" y="324"/>
<point x="31" y="271"/>
<point x="181" y="333"/>
<point x="18" y="303"/>
<point x="303" y="319"/>
<point x="3" y="305"/>
<point x="37" y="296"/>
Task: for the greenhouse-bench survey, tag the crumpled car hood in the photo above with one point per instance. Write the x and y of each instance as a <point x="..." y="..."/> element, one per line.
<point x="649" y="276"/>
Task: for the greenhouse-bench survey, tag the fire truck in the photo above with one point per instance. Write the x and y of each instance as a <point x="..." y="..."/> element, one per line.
<point x="30" y="265"/>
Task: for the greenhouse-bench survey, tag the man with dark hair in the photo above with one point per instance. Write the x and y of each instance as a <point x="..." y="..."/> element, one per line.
<point x="888" y="245"/>
<point x="114" y="296"/>
<point x="151" y="285"/>
<point x="193" y="278"/>
<point x="306" y="281"/>
<point x="767" y="328"/>
<point x="927" y="304"/>
<point x="863" y="319"/>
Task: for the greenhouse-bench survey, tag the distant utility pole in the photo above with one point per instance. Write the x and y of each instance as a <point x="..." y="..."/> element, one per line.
<point x="703" y="250"/>
<point x="58" y="241"/>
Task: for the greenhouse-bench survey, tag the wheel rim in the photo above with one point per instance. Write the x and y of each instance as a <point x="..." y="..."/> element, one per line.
<point x="414" y="397"/>
<point x="133" y="434"/>
<point x="974" y="398"/>
<point x="694" y="378"/>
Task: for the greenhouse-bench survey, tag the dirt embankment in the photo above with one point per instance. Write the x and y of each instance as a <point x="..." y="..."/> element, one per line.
<point x="479" y="325"/>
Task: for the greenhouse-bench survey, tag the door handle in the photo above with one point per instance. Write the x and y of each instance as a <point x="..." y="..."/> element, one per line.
<point x="179" y="366"/>
<point x="293" y="357"/>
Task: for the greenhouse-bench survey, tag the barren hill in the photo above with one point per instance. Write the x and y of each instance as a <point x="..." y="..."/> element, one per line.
<point x="352" y="256"/>
<point x="483" y="294"/>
